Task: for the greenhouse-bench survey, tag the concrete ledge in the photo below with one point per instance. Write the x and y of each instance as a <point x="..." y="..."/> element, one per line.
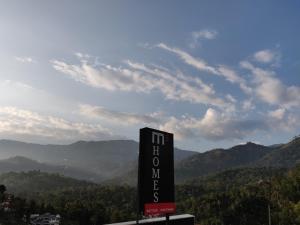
<point x="184" y="219"/>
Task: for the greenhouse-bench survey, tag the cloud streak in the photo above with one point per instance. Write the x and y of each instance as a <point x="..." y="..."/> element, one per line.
<point x="22" y="123"/>
<point x="120" y="118"/>
<point x="140" y="78"/>
<point x="205" y="34"/>
<point x="203" y="66"/>
<point x="182" y="87"/>
<point x="190" y="60"/>
<point x="25" y="59"/>
<point x="267" y="56"/>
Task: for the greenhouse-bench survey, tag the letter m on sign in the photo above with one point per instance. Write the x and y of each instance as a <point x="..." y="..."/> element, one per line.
<point x="158" y="138"/>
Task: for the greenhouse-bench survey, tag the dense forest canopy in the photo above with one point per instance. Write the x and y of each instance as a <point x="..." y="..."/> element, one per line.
<point x="213" y="200"/>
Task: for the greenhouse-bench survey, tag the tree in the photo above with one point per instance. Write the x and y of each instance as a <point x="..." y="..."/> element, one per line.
<point x="2" y="189"/>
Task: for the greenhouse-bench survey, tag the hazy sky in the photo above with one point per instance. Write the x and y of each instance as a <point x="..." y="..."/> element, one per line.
<point x="216" y="73"/>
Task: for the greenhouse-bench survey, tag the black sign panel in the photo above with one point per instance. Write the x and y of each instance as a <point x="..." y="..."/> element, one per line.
<point x="156" y="172"/>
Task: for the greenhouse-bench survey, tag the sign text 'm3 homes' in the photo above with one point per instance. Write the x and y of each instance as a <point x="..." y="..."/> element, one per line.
<point x="156" y="172"/>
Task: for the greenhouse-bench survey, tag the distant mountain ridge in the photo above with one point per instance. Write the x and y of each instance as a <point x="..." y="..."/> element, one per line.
<point x="210" y="162"/>
<point x="249" y="155"/>
<point x="104" y="158"/>
<point x="115" y="162"/>
<point x="285" y="155"/>
<point x="218" y="160"/>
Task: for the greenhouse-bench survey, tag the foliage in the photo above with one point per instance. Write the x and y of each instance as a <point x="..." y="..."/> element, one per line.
<point x="32" y="182"/>
<point x="234" y="197"/>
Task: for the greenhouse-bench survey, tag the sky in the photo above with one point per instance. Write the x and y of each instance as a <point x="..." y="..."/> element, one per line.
<point x="214" y="73"/>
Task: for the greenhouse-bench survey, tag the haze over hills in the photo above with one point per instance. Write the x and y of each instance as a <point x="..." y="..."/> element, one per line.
<point x="115" y="162"/>
<point x="209" y="162"/>
<point x="101" y="159"/>
<point x="33" y="182"/>
<point x="23" y="164"/>
<point x="249" y="155"/>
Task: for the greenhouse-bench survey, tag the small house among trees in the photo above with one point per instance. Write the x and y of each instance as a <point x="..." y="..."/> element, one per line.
<point x="44" y="219"/>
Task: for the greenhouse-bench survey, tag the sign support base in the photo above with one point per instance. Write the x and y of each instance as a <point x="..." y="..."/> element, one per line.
<point x="184" y="219"/>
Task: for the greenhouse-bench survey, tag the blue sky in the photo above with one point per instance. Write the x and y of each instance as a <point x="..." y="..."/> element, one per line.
<point x="215" y="73"/>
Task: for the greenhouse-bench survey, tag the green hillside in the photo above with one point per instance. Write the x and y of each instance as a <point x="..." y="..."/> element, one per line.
<point x="236" y="178"/>
<point x="33" y="182"/>
<point x="287" y="155"/>
<point x="256" y="160"/>
<point x="23" y="164"/>
<point x="233" y="197"/>
<point x="219" y="160"/>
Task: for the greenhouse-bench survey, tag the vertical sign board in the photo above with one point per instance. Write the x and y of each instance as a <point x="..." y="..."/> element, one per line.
<point x="156" y="173"/>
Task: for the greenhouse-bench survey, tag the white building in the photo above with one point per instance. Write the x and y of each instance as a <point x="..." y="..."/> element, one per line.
<point x="45" y="219"/>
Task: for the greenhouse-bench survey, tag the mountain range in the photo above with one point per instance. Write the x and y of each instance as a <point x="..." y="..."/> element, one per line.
<point x="115" y="162"/>
<point x="96" y="160"/>
<point x="249" y="155"/>
<point x="218" y="160"/>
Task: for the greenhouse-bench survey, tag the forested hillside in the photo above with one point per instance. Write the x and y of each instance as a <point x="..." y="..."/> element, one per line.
<point x="219" y="160"/>
<point x="23" y="164"/>
<point x="212" y="200"/>
<point x="249" y="155"/>
<point x="286" y="155"/>
<point x="31" y="183"/>
<point x="221" y="187"/>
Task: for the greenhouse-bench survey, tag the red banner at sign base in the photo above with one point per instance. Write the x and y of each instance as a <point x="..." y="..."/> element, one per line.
<point x="154" y="209"/>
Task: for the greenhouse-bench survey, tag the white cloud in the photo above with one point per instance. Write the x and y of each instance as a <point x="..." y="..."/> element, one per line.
<point x="205" y="34"/>
<point x="182" y="87"/>
<point x="231" y="76"/>
<point x="231" y="98"/>
<point x="120" y="118"/>
<point x="105" y="76"/>
<point x="283" y="120"/>
<point x="267" y="56"/>
<point x="190" y="60"/>
<point x="201" y="65"/>
<point x="20" y="123"/>
<point x="248" y="105"/>
<point x="25" y="59"/>
<point x="213" y="126"/>
<point x="277" y="114"/>
<point x="82" y="55"/>
<point x="197" y="36"/>
<point x="271" y="90"/>
<point x="140" y="78"/>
